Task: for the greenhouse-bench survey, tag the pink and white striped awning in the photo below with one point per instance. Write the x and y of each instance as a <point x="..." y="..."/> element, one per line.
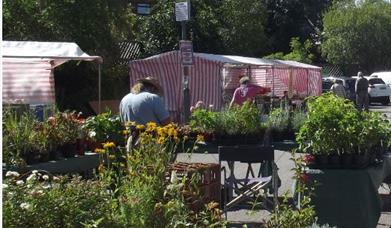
<point x="27" y="81"/>
<point x="211" y="75"/>
<point x="28" y="69"/>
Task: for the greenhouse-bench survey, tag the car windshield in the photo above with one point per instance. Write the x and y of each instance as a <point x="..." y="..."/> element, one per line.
<point x="349" y="85"/>
<point x="374" y="81"/>
<point x="326" y="85"/>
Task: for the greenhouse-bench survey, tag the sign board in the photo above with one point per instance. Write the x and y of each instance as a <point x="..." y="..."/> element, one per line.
<point x="182" y="11"/>
<point x="186" y="49"/>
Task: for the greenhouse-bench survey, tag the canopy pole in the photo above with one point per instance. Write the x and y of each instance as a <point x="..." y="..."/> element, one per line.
<point x="99" y="88"/>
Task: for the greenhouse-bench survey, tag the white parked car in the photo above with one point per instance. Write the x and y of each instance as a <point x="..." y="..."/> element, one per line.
<point x="378" y="91"/>
<point x="385" y="76"/>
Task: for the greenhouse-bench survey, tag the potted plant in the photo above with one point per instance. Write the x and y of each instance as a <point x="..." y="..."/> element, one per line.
<point x="239" y="125"/>
<point x="103" y="128"/>
<point x="335" y="129"/>
<point x="19" y="138"/>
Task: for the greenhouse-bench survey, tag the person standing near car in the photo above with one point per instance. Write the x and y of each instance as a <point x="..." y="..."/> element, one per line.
<point x="361" y="89"/>
<point x="338" y="89"/>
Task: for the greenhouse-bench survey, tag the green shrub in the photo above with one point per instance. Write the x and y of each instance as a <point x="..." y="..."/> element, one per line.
<point x="237" y="120"/>
<point x="331" y="117"/>
<point x="63" y="203"/>
<point x="105" y="127"/>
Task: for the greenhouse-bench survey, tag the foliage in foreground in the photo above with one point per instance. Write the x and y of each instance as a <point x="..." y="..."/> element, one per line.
<point x="331" y="117"/>
<point x="132" y="190"/>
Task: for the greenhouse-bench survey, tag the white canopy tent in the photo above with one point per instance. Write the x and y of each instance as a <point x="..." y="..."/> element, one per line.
<point x="28" y="69"/>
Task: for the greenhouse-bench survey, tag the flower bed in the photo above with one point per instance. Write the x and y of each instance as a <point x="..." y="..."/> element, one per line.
<point x="27" y="141"/>
<point x="130" y="190"/>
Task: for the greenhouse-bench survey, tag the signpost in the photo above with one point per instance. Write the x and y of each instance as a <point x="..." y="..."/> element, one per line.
<point x="182" y="14"/>
<point x="186" y="49"/>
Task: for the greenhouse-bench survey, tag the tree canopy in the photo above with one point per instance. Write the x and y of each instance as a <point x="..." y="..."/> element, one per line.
<point x="358" y="35"/>
<point x="95" y="25"/>
<point x="217" y="26"/>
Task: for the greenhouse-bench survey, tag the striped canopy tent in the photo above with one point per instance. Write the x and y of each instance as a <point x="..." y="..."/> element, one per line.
<point x="28" y="69"/>
<point x="211" y="77"/>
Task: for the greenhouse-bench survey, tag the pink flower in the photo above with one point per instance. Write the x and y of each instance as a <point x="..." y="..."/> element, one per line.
<point x="200" y="104"/>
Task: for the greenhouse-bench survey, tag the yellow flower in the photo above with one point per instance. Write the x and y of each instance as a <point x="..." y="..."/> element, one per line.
<point x="99" y="151"/>
<point x="172" y="132"/>
<point x="151" y="125"/>
<point x="161" y="140"/>
<point x="160" y="132"/>
<point x="125" y="132"/>
<point x="140" y="127"/>
<point x="200" y="138"/>
<point x="130" y="123"/>
<point x="108" y="145"/>
<point x="111" y="156"/>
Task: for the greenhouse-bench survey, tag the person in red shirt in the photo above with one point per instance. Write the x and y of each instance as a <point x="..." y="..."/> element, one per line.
<point x="247" y="91"/>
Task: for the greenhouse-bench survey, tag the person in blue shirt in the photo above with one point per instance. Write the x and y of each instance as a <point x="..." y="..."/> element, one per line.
<point x="144" y="104"/>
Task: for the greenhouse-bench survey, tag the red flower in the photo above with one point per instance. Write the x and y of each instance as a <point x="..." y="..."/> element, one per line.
<point x="304" y="178"/>
<point x="309" y="159"/>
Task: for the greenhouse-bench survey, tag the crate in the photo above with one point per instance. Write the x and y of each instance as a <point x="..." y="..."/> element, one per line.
<point x="208" y="186"/>
<point x="209" y="173"/>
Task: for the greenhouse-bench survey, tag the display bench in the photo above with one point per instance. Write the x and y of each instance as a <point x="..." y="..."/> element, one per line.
<point x="212" y="147"/>
<point x="349" y="197"/>
<point x="84" y="165"/>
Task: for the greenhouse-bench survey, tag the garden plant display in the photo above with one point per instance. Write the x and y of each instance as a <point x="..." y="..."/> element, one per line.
<point x="238" y="124"/>
<point x="131" y="190"/>
<point x="365" y="134"/>
<point x="27" y="141"/>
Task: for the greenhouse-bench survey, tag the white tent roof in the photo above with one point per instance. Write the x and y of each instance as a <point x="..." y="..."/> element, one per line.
<point x="240" y="60"/>
<point x="58" y="52"/>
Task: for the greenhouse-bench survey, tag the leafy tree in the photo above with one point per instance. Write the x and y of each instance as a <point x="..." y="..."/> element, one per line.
<point x="293" y="18"/>
<point x="300" y="52"/>
<point x="358" y="35"/>
<point x="95" y="25"/>
<point x="243" y="25"/>
<point x="215" y="26"/>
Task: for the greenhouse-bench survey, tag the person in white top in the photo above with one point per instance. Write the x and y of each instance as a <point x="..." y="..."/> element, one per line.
<point x="338" y="89"/>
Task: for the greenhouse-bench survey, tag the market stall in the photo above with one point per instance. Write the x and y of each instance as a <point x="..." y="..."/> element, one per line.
<point x="213" y="77"/>
<point x="28" y="68"/>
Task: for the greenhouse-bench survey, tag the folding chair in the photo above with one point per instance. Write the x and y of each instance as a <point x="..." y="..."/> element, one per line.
<point x="255" y="184"/>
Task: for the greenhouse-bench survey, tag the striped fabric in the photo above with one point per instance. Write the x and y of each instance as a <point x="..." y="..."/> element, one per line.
<point x="28" y="81"/>
<point x="204" y="80"/>
<point x="210" y="79"/>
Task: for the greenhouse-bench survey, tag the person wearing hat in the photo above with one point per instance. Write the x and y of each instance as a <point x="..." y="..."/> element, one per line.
<point x="338" y="89"/>
<point x="144" y="103"/>
<point x="361" y="89"/>
<point x="246" y="91"/>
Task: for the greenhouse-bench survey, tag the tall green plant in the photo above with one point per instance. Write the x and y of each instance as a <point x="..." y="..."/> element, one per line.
<point x="239" y="120"/>
<point x="19" y="136"/>
<point x="331" y="118"/>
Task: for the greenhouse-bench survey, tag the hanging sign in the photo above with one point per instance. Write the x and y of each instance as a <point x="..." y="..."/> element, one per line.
<point x="182" y="11"/>
<point x="186" y="49"/>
